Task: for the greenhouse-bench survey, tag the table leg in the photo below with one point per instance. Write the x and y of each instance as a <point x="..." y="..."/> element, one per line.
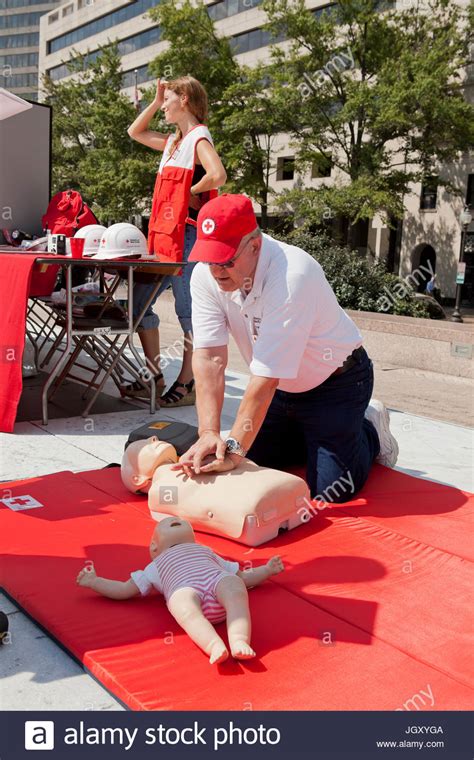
<point x="64" y="358"/>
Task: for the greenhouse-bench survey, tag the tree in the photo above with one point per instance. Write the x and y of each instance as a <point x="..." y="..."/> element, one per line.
<point x="376" y="91"/>
<point x="92" y="151"/>
<point x="244" y="116"/>
<point x="251" y="120"/>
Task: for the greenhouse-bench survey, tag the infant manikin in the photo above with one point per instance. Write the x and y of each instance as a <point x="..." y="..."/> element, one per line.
<point x="200" y="588"/>
<point x="249" y="503"/>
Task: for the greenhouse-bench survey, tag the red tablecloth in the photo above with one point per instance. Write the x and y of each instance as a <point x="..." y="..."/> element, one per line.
<point x="15" y="279"/>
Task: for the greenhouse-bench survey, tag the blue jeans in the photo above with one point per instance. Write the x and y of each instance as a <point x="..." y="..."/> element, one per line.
<point x="181" y="291"/>
<point x="325" y="429"/>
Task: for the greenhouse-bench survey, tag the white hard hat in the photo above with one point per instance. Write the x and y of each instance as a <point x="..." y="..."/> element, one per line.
<point x="92" y="234"/>
<point x="123" y="238"/>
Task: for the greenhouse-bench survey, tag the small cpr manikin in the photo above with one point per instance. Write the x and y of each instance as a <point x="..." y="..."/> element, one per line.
<point x="200" y="588"/>
<point x="250" y="503"/>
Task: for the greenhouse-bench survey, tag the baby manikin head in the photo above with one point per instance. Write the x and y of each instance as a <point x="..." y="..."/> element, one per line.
<point x="169" y="532"/>
<point x="140" y="461"/>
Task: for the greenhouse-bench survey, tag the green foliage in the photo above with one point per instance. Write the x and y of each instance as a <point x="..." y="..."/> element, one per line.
<point x="251" y="121"/>
<point x="357" y="283"/>
<point x="92" y="151"/>
<point x="378" y="91"/>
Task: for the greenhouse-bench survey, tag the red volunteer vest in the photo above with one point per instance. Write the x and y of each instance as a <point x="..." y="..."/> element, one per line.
<point x="169" y="211"/>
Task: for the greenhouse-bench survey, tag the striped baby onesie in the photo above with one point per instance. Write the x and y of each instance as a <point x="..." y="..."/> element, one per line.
<point x="191" y="566"/>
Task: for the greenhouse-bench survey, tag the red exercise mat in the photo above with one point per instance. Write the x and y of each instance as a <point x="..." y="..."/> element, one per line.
<point x="397" y="532"/>
<point x="323" y="630"/>
<point x="15" y="279"/>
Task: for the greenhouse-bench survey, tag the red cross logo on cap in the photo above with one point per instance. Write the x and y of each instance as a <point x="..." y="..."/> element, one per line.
<point x="208" y="226"/>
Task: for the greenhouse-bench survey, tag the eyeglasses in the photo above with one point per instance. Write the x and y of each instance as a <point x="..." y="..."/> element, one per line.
<point x="228" y="264"/>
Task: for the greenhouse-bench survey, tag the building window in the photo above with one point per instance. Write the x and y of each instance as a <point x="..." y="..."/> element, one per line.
<point x="470" y="192"/>
<point x="429" y="193"/>
<point x="256" y="38"/>
<point x="142" y="75"/>
<point x="20" y="19"/>
<point x="108" y="21"/>
<point x="226" y="8"/>
<point x="20" y="40"/>
<point x="21" y="80"/>
<point x="53" y="18"/>
<point x="22" y="3"/>
<point x="138" y="41"/>
<point x="321" y="167"/>
<point x="19" y="60"/>
<point x="285" y="168"/>
<point x="124" y="47"/>
<point x="68" y="10"/>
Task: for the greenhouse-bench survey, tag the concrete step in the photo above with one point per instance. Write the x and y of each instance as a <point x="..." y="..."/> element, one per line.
<point x="423" y="344"/>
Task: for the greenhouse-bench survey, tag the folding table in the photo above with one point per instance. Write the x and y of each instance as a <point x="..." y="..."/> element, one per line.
<point x="103" y="340"/>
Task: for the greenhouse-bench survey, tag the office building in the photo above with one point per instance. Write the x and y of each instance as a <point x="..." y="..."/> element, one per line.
<point x="19" y="43"/>
<point x="430" y="232"/>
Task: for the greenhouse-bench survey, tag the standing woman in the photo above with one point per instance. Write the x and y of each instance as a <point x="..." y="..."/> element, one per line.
<point x="189" y="174"/>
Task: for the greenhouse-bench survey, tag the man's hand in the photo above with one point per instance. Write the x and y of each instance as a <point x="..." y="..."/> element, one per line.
<point x="230" y="462"/>
<point x="87" y="576"/>
<point x="209" y="443"/>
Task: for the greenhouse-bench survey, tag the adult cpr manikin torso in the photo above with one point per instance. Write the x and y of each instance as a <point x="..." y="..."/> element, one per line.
<point x="249" y="504"/>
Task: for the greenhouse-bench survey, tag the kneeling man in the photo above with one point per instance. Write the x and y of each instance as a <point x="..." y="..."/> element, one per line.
<point x="307" y="400"/>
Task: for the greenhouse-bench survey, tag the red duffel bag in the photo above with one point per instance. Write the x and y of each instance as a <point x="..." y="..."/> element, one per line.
<point x="66" y="213"/>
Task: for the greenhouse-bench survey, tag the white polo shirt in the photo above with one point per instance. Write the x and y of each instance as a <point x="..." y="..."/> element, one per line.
<point x="289" y="326"/>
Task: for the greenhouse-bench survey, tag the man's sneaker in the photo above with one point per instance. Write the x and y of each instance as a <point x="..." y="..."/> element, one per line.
<point x="378" y="415"/>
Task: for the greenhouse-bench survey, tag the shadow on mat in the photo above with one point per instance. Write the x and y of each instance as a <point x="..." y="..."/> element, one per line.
<point x="391" y="493"/>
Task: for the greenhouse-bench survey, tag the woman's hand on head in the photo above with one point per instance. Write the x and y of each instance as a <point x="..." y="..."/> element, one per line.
<point x="160" y="92"/>
<point x="209" y="443"/>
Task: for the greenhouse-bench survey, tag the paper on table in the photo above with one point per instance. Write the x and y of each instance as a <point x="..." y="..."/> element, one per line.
<point x="11" y="104"/>
<point x="106" y="255"/>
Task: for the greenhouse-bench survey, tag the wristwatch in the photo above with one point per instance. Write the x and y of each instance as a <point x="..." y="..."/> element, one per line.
<point x="234" y="447"/>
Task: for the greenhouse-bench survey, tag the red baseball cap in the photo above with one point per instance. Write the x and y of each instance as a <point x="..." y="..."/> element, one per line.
<point x="221" y="225"/>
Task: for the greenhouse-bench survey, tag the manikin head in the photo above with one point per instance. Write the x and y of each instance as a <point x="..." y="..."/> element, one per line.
<point x="169" y="532"/>
<point x="140" y="461"/>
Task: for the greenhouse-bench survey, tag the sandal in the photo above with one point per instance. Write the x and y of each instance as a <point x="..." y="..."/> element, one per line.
<point x="137" y="390"/>
<point x="175" y="397"/>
